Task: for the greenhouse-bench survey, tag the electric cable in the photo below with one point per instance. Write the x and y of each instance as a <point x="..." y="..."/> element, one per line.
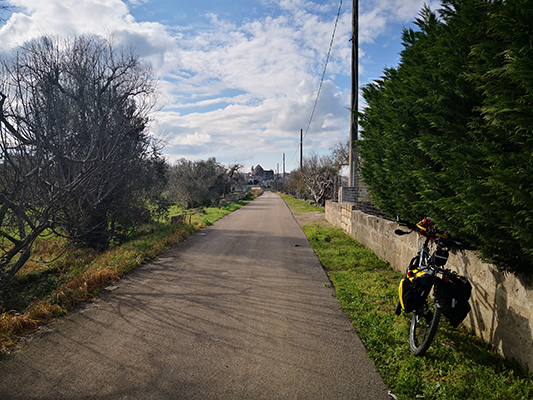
<point x="322" y="79"/>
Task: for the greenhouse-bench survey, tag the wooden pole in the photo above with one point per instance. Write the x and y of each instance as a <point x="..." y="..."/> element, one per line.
<point x="301" y="147"/>
<point x="283" y="167"/>
<point x="354" y="137"/>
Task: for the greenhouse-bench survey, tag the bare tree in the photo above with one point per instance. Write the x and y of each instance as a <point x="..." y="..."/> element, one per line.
<point x="341" y="153"/>
<point x="318" y="174"/>
<point x="73" y="141"/>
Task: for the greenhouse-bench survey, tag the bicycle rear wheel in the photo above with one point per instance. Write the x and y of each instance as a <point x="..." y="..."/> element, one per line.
<point x="424" y="326"/>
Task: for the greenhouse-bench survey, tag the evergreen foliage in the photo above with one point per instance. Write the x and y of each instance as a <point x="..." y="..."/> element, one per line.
<point x="197" y="183"/>
<point x="448" y="133"/>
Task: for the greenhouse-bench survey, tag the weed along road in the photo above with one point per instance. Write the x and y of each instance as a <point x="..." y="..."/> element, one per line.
<point x="242" y="310"/>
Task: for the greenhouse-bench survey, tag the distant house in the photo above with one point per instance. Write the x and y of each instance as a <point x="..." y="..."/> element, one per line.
<point x="261" y="175"/>
<point x="269" y="175"/>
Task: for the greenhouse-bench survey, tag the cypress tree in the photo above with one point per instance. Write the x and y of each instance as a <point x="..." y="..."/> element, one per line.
<point x="448" y="132"/>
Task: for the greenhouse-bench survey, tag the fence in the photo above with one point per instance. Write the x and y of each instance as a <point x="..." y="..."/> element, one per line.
<point x="360" y="199"/>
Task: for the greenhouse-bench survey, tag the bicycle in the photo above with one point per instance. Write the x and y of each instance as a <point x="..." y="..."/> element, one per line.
<point x="425" y="273"/>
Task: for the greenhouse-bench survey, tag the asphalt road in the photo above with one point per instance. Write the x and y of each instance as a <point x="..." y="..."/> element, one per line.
<point x="240" y="311"/>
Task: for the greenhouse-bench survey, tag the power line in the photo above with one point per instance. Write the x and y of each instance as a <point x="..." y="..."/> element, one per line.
<point x="323" y="76"/>
<point x="325" y="67"/>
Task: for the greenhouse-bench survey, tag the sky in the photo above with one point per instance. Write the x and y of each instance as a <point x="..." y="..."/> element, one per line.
<point x="237" y="79"/>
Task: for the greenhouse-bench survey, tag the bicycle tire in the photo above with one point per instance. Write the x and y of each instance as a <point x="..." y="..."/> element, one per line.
<point x="424" y="326"/>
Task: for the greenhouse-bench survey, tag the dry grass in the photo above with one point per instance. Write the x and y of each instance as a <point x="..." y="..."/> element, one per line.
<point x="79" y="275"/>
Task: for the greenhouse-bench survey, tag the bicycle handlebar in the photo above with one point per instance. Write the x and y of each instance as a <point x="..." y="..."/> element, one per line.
<point x="427" y="228"/>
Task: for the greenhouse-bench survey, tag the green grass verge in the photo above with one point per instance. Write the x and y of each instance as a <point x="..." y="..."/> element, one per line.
<point x="458" y="365"/>
<point x="299" y="206"/>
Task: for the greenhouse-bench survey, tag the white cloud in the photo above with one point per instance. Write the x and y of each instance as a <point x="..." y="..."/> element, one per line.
<point x="197" y="139"/>
<point x="101" y="17"/>
<point x="242" y="89"/>
<point x="64" y="16"/>
<point x="376" y="16"/>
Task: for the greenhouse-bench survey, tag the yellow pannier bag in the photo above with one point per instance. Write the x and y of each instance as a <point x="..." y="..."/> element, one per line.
<point x="414" y="289"/>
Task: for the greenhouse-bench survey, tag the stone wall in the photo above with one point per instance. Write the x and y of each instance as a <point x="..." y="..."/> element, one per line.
<point x="502" y="305"/>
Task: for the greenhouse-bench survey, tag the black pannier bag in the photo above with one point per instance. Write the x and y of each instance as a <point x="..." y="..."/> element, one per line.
<point x="414" y="288"/>
<point x="456" y="292"/>
<point x="440" y="257"/>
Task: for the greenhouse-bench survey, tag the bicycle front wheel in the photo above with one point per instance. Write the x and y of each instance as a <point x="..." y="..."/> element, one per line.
<point x="423" y="328"/>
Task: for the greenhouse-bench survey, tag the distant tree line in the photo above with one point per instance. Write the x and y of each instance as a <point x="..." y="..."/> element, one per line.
<point x="449" y="132"/>
<point x="202" y="182"/>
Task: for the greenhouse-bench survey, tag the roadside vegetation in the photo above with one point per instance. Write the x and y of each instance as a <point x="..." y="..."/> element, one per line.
<point x="78" y="159"/>
<point x="61" y="275"/>
<point x="458" y="365"/>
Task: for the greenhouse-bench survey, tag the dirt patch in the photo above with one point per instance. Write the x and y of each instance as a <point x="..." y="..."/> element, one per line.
<point x="312" y="218"/>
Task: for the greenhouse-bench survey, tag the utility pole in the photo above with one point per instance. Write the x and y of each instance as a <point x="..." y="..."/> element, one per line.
<point x="301" y="147"/>
<point x="277" y="177"/>
<point x="283" y="167"/>
<point x="354" y="137"/>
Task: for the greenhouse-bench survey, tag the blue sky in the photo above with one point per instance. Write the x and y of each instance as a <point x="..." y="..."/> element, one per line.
<point x="237" y="78"/>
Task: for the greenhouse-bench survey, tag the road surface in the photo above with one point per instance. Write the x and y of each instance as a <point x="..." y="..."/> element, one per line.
<point x="242" y="310"/>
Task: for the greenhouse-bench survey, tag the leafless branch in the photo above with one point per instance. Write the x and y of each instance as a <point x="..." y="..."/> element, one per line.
<point x="73" y="118"/>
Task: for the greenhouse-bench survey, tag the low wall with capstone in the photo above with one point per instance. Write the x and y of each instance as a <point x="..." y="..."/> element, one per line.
<point x="502" y="306"/>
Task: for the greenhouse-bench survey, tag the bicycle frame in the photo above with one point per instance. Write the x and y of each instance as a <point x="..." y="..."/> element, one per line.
<point x="423" y="254"/>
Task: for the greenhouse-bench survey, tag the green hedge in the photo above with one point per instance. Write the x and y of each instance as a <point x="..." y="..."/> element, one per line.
<point x="448" y="133"/>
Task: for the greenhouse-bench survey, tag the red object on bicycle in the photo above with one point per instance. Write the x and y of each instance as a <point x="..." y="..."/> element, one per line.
<point x="426" y="223"/>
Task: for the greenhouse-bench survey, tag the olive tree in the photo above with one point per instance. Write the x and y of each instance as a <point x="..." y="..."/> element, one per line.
<point x="197" y="183"/>
<point x="75" y="152"/>
<point x="202" y="182"/>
